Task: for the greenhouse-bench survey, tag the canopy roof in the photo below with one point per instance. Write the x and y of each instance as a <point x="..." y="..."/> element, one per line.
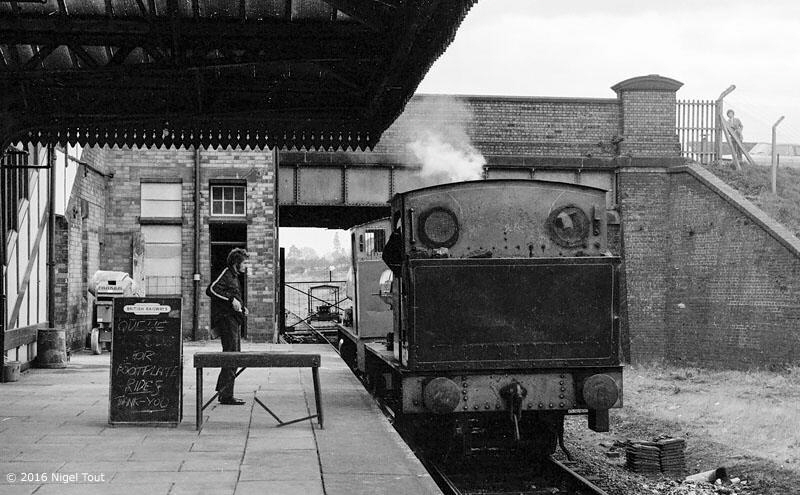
<point x="329" y="74"/>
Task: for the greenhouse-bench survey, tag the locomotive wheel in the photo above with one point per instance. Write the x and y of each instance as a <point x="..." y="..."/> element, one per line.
<point x="95" y="344"/>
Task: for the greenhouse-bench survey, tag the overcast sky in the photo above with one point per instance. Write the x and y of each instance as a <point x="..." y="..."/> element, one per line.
<point x="580" y="48"/>
<point x="583" y="47"/>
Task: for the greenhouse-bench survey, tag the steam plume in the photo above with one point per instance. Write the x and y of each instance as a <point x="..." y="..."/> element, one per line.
<point x="446" y="161"/>
<point x="439" y="141"/>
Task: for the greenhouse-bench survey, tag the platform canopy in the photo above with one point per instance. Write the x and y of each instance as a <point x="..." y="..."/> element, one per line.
<point x="312" y="74"/>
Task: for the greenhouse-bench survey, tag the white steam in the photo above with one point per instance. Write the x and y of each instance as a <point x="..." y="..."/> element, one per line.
<point x="439" y="141"/>
<point x="447" y="161"/>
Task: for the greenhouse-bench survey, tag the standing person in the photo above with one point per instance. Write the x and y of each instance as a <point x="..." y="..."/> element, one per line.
<point x="736" y="129"/>
<point x="228" y="313"/>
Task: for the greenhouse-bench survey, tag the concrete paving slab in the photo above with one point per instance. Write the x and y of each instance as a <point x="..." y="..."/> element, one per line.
<point x="51" y="454"/>
<point x="200" y="489"/>
<point x="218" y="443"/>
<point x="297" y="430"/>
<point x="301" y="468"/>
<point x="379" y="484"/>
<point x="110" y="467"/>
<point x="267" y="444"/>
<point x="104" y="489"/>
<point x="7" y="489"/>
<point x="208" y="465"/>
<point x="279" y="488"/>
<point x="61" y="426"/>
<point x="29" y="467"/>
<point x="283" y="462"/>
<point x="209" y="478"/>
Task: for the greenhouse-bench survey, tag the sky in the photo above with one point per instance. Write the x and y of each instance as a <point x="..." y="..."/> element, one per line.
<point x="580" y="48"/>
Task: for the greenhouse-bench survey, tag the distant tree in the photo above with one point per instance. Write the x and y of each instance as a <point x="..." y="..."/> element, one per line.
<point x="337" y="244"/>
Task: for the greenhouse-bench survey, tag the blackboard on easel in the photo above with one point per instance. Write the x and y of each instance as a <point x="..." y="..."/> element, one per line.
<point x="146" y="384"/>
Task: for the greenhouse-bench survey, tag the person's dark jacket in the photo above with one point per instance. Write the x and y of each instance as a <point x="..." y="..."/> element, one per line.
<point x="392" y="253"/>
<point x="222" y="291"/>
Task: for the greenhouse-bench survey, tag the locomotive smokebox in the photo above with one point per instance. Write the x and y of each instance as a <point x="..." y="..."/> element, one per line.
<point x="441" y="395"/>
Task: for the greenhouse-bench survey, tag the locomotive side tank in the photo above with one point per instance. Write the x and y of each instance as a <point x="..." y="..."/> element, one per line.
<point x="505" y="302"/>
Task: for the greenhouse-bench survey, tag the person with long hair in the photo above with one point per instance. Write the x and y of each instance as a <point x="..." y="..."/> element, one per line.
<point x="227" y="317"/>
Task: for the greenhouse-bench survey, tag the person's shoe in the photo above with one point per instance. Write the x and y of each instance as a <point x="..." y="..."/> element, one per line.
<point x="231" y="401"/>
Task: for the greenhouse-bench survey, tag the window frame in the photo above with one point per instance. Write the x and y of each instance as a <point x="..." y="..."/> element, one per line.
<point x="234" y="188"/>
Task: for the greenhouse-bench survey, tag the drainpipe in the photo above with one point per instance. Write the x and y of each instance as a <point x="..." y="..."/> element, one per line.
<point x="196" y="277"/>
<point x="279" y="273"/>
<point x="51" y="238"/>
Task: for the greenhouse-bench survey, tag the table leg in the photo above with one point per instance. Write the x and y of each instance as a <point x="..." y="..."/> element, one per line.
<point x="317" y="394"/>
<point x="199" y="406"/>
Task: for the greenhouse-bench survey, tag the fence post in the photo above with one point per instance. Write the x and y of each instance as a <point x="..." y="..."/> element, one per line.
<point x="775" y="156"/>
<point x="718" y="133"/>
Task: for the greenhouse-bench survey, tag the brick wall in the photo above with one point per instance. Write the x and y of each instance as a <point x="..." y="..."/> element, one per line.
<point x="79" y="239"/>
<point x="734" y="278"/>
<point x="647" y="111"/>
<point x="131" y="166"/>
<point x="510" y="125"/>
<point x="257" y="168"/>
<point x="644" y="203"/>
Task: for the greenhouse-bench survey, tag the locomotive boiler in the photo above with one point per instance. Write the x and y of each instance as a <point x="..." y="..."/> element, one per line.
<point x="505" y="308"/>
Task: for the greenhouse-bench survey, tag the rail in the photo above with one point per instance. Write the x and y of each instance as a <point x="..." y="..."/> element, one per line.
<point x="552" y="474"/>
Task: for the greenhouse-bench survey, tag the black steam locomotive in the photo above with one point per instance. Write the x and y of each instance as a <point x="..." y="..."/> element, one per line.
<point x="504" y="306"/>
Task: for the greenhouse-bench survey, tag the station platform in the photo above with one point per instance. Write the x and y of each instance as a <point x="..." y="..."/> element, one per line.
<point x="55" y="437"/>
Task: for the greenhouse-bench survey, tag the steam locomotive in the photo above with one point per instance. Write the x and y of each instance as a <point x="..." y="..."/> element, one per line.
<point x="502" y="315"/>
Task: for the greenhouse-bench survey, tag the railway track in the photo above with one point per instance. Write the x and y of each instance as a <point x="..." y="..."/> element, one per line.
<point x="549" y="477"/>
<point x="500" y="475"/>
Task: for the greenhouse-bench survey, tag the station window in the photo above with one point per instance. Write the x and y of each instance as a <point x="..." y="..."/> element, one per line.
<point x="228" y="200"/>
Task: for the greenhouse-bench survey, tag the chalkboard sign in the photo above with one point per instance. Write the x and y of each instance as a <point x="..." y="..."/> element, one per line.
<point x="146" y="385"/>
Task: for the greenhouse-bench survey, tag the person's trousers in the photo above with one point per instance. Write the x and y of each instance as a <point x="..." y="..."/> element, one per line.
<point x="227" y="329"/>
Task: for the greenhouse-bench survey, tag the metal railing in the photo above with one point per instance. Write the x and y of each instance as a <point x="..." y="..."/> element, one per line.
<point x="696" y="125"/>
<point x="316" y="299"/>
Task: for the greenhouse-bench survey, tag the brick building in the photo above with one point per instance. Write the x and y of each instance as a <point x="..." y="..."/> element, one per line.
<point x="677" y="304"/>
<point x="134" y="211"/>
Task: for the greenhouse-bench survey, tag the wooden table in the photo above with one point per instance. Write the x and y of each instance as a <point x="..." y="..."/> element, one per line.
<point x="244" y="360"/>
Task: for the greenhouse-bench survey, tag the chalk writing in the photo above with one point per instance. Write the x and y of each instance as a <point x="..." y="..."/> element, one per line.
<point x="142" y="325"/>
<point x="146" y="366"/>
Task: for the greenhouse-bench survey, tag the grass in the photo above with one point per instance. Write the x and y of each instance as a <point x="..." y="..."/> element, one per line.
<point x="744" y="420"/>
<point x="749" y="409"/>
<point x="754" y="184"/>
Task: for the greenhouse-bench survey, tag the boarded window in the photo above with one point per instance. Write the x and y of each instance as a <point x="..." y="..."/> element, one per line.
<point x="161" y="200"/>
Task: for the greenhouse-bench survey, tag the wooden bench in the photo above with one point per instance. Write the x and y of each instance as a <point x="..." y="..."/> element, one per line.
<point x="244" y="360"/>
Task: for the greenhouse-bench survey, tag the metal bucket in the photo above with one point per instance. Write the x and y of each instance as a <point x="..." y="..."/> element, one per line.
<point x="11" y="371"/>
<point x="51" y="346"/>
